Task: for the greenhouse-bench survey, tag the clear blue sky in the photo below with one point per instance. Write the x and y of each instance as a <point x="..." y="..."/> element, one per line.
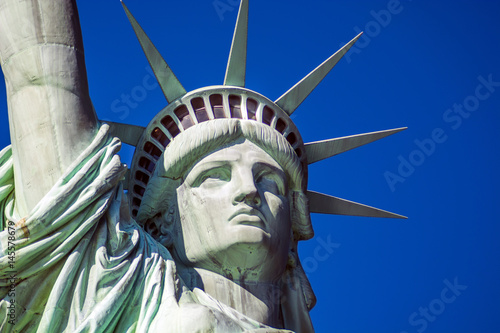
<point x="421" y="64"/>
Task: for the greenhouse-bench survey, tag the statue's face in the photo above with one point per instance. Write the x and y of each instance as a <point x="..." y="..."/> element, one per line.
<point x="235" y="215"/>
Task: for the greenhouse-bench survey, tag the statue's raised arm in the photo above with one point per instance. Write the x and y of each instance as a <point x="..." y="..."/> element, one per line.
<point x="51" y="117"/>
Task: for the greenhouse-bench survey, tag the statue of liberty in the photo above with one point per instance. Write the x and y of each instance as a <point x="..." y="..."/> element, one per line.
<point x="200" y="235"/>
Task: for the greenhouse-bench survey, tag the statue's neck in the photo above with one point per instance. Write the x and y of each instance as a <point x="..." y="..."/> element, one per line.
<point x="257" y="300"/>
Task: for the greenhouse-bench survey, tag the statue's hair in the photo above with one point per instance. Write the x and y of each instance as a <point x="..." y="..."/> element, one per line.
<point x="196" y="142"/>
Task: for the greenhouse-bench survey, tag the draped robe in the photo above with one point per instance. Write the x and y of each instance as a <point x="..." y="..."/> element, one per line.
<point x="79" y="263"/>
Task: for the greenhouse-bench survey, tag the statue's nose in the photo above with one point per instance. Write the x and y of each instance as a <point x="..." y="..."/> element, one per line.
<point x="246" y="190"/>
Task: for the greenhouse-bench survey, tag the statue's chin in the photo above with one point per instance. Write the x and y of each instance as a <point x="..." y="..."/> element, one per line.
<point x="253" y="235"/>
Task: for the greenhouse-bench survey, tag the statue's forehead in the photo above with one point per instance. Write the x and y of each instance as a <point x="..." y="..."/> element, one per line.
<point x="240" y="151"/>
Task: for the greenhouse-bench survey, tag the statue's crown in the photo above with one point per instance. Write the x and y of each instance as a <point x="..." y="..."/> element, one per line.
<point x="233" y="100"/>
<point x="195" y="107"/>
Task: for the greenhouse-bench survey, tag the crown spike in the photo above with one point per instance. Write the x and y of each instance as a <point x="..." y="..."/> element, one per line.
<point x="326" y="204"/>
<point x="129" y="134"/>
<point x="236" y="64"/>
<point x="170" y="85"/>
<point x="291" y="100"/>
<point x="320" y="150"/>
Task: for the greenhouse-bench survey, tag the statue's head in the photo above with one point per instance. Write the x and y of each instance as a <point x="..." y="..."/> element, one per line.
<point x="227" y="195"/>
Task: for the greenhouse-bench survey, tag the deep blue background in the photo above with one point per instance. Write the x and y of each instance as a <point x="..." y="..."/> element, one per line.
<point x="406" y="72"/>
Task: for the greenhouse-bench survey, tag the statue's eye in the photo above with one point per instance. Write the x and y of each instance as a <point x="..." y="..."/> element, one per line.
<point x="213" y="176"/>
<point x="271" y="181"/>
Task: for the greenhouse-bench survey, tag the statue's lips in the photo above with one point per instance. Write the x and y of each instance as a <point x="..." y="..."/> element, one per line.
<point x="250" y="217"/>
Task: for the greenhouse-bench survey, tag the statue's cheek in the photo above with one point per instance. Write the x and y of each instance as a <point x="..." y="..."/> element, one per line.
<point x="278" y="205"/>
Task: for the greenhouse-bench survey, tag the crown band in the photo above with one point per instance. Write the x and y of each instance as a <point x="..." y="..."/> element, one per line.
<point x="217" y="102"/>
